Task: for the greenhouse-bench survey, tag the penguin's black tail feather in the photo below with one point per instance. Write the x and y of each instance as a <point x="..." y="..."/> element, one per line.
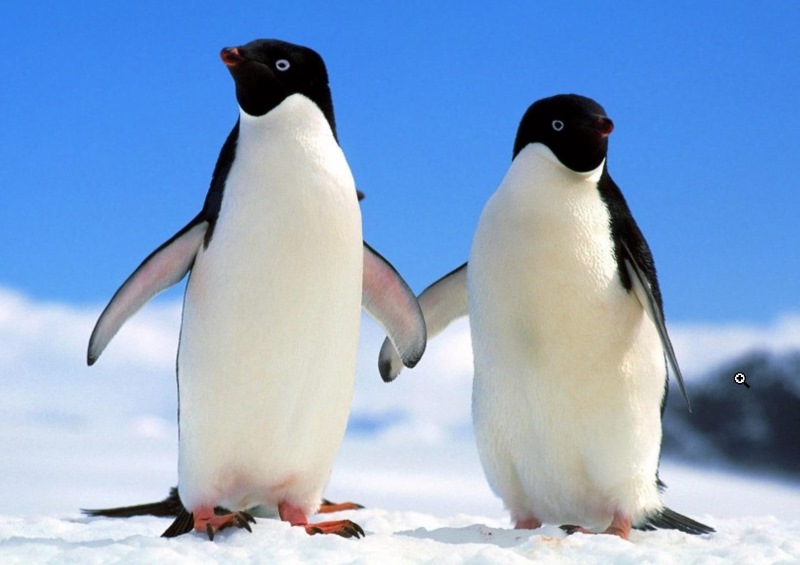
<point x="668" y="519"/>
<point x="183" y="524"/>
<point x="170" y="506"/>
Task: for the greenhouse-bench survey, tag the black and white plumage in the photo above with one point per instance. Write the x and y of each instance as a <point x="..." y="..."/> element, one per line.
<point x="278" y="276"/>
<point x="571" y="352"/>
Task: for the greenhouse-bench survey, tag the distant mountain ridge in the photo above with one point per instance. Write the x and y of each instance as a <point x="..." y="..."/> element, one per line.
<point x="756" y="428"/>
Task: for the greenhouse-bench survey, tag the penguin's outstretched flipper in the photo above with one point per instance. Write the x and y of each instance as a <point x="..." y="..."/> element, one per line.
<point x="390" y="301"/>
<point x="442" y="302"/>
<point x="163" y="268"/>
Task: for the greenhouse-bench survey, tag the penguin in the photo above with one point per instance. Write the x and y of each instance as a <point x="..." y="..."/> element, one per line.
<point x="571" y="352"/>
<point x="278" y="274"/>
<point x="171" y="506"/>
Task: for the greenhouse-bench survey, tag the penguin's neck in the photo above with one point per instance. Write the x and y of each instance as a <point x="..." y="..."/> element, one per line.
<point x="537" y="174"/>
<point x="288" y="174"/>
<point x="555" y="216"/>
<point x="288" y="157"/>
<point x="295" y="119"/>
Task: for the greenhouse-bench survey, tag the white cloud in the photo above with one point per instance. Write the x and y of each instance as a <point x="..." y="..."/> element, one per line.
<point x="43" y="361"/>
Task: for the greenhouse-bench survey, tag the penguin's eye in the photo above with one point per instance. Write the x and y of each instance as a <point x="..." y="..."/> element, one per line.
<point x="558" y="125"/>
<point x="282" y="65"/>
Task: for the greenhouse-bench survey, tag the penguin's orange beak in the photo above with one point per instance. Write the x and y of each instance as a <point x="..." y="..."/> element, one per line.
<point x="231" y="56"/>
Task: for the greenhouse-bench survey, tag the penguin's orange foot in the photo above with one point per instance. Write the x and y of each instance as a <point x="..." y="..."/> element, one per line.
<point x="297" y="517"/>
<point x="620" y="526"/>
<point x="327" y="506"/>
<point x="344" y="528"/>
<point x="206" y="521"/>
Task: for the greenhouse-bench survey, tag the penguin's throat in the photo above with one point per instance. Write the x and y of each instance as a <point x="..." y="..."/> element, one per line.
<point x="544" y="153"/>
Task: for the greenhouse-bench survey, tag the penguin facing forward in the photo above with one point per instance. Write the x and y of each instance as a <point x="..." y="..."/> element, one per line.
<point x="171" y="506"/>
<point x="278" y="276"/>
<point x="571" y="353"/>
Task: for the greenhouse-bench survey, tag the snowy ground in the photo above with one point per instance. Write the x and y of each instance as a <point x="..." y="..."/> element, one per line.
<point x="392" y="537"/>
<point x="426" y="504"/>
<point x="74" y="437"/>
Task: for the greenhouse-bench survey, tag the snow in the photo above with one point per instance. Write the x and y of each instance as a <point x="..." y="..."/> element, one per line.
<point x="405" y="536"/>
<point x="392" y="537"/>
<point x="76" y="437"/>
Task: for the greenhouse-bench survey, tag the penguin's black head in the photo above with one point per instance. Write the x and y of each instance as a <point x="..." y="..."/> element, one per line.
<point x="574" y="128"/>
<point x="267" y="71"/>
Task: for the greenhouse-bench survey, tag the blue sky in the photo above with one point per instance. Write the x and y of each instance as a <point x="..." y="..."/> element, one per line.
<point x="112" y="117"/>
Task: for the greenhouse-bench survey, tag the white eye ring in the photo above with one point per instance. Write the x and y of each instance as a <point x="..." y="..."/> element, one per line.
<point x="282" y="65"/>
<point x="558" y="125"/>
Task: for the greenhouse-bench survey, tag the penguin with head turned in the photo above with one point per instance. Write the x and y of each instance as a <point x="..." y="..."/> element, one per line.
<point x="278" y="274"/>
<point x="571" y="352"/>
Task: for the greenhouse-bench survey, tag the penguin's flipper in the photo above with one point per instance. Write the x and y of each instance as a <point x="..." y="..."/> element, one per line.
<point x="170" y="506"/>
<point x="668" y="519"/>
<point x="442" y="302"/>
<point x="644" y="292"/>
<point x="390" y="301"/>
<point x="163" y="268"/>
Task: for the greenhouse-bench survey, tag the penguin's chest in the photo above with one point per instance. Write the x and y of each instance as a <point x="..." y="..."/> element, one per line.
<point x="270" y="328"/>
<point x="552" y="323"/>
<point x="547" y="279"/>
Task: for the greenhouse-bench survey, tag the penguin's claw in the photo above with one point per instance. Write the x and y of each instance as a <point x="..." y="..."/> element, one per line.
<point x="357" y="531"/>
<point x="575" y="530"/>
<point x="296" y="516"/>
<point x="210" y="524"/>
<point x="344" y="528"/>
<point x="243" y="522"/>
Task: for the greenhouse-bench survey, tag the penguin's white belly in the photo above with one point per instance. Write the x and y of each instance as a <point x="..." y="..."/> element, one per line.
<point x="569" y="371"/>
<point x="270" y="329"/>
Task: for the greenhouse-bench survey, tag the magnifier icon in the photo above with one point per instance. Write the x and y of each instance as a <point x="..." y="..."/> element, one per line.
<point x="739" y="378"/>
